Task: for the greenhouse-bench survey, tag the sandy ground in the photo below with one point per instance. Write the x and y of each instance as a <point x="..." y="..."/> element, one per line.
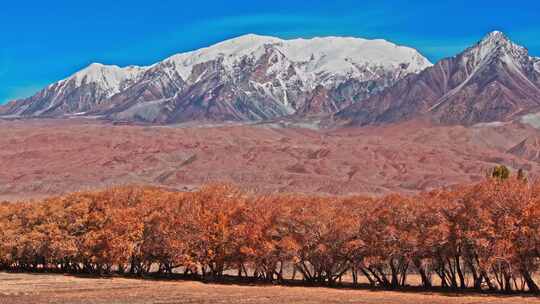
<point x="48" y="157"/>
<point x="38" y="288"/>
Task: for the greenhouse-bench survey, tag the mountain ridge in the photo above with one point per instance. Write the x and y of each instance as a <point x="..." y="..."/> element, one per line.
<point x="353" y="81"/>
<point x="251" y="77"/>
<point x="494" y="80"/>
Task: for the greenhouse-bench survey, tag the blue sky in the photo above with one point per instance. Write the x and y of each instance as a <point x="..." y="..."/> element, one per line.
<point x="44" y="41"/>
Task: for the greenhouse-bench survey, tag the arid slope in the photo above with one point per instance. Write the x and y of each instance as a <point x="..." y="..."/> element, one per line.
<point x="47" y="157"/>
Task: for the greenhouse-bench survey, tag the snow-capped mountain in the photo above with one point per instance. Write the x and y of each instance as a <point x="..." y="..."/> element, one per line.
<point x="495" y="80"/>
<point x="80" y="93"/>
<point x="247" y="78"/>
<point x="317" y="61"/>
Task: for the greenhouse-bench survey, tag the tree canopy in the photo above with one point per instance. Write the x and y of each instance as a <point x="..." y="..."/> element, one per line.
<point x="483" y="236"/>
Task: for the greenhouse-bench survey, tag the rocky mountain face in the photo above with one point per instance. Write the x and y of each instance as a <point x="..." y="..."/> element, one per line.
<point x="495" y="80"/>
<point x="78" y="94"/>
<point x="249" y="78"/>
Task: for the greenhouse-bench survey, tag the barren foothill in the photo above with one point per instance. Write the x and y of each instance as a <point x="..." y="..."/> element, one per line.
<point x="45" y="157"/>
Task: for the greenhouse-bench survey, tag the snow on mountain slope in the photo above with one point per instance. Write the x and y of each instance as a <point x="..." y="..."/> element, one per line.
<point x="314" y="59"/>
<point x="351" y="57"/>
<point x="230" y="51"/>
<point x="78" y="93"/>
<point x="251" y="77"/>
<point x="112" y="79"/>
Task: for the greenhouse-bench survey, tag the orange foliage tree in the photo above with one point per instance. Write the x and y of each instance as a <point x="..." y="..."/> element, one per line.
<point x="481" y="236"/>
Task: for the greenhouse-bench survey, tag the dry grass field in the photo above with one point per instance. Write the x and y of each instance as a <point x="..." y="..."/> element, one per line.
<point x="40" y="288"/>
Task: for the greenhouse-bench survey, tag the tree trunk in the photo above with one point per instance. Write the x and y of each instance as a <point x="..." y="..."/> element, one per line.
<point x="426" y="282"/>
<point x="366" y="274"/>
<point x="488" y="281"/>
<point x="533" y="287"/>
<point x="462" y="283"/>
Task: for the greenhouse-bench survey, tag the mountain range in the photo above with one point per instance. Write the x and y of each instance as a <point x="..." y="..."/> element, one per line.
<point x="494" y="81"/>
<point x="249" y="78"/>
<point x="343" y="81"/>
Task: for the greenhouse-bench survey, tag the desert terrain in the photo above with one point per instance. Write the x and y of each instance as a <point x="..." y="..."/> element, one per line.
<point x="58" y="289"/>
<point x="43" y="157"/>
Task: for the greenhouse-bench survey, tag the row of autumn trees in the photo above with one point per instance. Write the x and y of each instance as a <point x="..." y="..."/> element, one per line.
<point x="482" y="236"/>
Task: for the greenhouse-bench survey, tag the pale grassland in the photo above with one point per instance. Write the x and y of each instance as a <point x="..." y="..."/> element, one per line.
<point x="40" y="288"/>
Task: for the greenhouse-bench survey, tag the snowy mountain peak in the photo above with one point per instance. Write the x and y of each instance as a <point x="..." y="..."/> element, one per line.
<point x="97" y="72"/>
<point x="496" y="35"/>
<point x="251" y="77"/>
<point x="250" y="39"/>
<point x="496" y="40"/>
<point x="313" y="59"/>
<point x="495" y="46"/>
<point x="109" y="78"/>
